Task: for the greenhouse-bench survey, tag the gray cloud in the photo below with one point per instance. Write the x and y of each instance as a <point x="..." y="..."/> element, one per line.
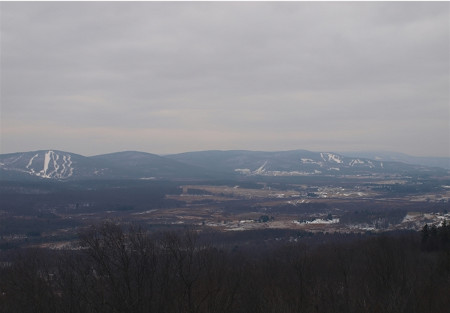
<point x="95" y="77"/>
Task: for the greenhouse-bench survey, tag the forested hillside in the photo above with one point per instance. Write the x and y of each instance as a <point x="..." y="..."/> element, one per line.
<point x="121" y="269"/>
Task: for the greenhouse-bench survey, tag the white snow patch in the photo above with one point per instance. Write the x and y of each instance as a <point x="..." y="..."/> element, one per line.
<point x="308" y="161"/>
<point x="330" y="157"/>
<point x="411" y="217"/>
<point x="64" y="165"/>
<point x="54" y="158"/>
<point x="261" y="169"/>
<point x="318" y="221"/>
<point x="322" y="156"/>
<point x="53" y="168"/>
<point x="67" y="169"/>
<point x="31" y="161"/>
<point x="15" y="160"/>
<point x="69" y="161"/>
<point x="334" y="158"/>
<point x="43" y="173"/>
<point x="243" y="171"/>
<point x="356" y="161"/>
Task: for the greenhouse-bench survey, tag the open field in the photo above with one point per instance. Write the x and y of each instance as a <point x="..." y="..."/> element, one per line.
<point x="52" y="214"/>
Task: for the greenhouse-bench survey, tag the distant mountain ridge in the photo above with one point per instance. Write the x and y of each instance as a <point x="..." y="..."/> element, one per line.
<point x="401" y="157"/>
<point x="60" y="165"/>
<point x="294" y="162"/>
<point x="51" y="164"/>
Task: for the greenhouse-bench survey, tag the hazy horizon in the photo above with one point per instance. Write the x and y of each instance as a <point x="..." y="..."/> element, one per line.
<point x="171" y="77"/>
<point x="382" y="153"/>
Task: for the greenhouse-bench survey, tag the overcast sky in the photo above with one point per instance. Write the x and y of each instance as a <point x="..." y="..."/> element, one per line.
<point x="167" y="77"/>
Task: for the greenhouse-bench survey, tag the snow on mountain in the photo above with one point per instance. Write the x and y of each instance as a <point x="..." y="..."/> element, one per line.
<point x="314" y="163"/>
<point x="261" y="169"/>
<point x="295" y="162"/>
<point x="309" y="161"/>
<point x="442" y="162"/>
<point x="330" y="157"/>
<point x="301" y="163"/>
<point x="357" y="161"/>
<point x="45" y="164"/>
<point x="59" y="165"/>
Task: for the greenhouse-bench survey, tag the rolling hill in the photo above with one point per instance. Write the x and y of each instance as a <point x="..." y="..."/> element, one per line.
<point x="60" y="165"/>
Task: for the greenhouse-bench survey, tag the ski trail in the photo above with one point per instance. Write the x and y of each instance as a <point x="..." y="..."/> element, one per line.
<point x="43" y="173"/>
<point x="30" y="163"/>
